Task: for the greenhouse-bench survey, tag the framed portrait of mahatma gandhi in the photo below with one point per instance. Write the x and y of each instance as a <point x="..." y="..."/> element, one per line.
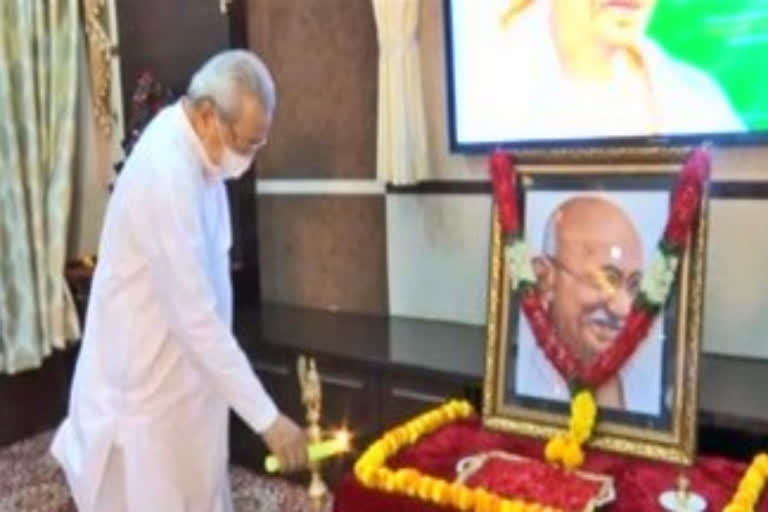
<point x="597" y="255"/>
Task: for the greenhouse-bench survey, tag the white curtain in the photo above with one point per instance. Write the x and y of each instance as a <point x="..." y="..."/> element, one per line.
<point x="100" y="20"/>
<point x="39" y="44"/>
<point x="402" y="157"/>
<point x="93" y="163"/>
<point x="100" y="126"/>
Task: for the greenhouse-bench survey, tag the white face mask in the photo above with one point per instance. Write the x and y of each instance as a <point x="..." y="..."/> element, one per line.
<point x="233" y="164"/>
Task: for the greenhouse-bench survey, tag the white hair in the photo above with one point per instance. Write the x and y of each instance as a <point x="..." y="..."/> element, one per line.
<point x="226" y="76"/>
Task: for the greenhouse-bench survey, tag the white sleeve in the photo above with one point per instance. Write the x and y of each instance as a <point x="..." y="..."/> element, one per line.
<point x="223" y="267"/>
<point x="177" y="260"/>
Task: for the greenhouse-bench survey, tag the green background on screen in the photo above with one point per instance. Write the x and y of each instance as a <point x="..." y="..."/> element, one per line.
<point x="726" y="38"/>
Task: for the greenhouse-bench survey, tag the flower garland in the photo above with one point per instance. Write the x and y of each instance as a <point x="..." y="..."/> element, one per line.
<point x="371" y="471"/>
<point x="566" y="448"/>
<point x="654" y="289"/>
<point x="751" y="486"/>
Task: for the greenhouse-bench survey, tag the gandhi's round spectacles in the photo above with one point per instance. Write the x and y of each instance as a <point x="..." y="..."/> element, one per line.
<point x="607" y="279"/>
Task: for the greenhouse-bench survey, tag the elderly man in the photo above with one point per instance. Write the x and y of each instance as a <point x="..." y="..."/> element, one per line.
<point x="159" y="367"/>
<point x="581" y="69"/>
<point x="588" y="277"/>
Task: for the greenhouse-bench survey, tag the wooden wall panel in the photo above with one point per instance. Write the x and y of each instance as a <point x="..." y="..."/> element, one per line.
<point x="324" y="56"/>
<point x="325" y="252"/>
<point x="171" y="38"/>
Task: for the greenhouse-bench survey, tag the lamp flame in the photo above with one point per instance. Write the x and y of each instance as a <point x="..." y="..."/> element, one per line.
<point x="344" y="437"/>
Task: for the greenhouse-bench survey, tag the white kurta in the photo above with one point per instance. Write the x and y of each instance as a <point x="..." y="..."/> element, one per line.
<point x="159" y="366"/>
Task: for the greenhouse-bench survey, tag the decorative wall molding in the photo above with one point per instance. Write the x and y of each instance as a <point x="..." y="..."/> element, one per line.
<point x="719" y="189"/>
<point x="319" y="187"/>
<point x="739" y="189"/>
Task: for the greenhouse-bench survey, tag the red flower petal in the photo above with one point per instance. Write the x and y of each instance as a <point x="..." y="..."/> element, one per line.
<point x="546" y="337"/>
<point x="612" y="359"/>
<point x="505" y="190"/>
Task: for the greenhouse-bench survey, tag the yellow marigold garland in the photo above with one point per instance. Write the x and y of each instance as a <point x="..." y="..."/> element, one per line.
<point x="371" y="471"/>
<point x="751" y="486"/>
<point x="566" y="448"/>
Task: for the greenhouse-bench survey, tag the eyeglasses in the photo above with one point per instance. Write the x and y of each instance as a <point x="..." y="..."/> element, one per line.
<point x="246" y="147"/>
<point x="250" y="146"/>
<point x="606" y="280"/>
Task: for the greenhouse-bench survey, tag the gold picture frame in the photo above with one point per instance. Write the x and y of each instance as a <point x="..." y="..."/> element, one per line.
<point x="676" y="441"/>
<point x="596" y="155"/>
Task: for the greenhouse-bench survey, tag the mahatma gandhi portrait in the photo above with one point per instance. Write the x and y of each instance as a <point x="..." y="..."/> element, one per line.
<point x="589" y="254"/>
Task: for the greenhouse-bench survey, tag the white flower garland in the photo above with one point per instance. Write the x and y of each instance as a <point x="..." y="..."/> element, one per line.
<point x="518" y="262"/>
<point x="657" y="280"/>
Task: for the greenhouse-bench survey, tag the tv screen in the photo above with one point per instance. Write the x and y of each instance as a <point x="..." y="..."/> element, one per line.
<point x="558" y="72"/>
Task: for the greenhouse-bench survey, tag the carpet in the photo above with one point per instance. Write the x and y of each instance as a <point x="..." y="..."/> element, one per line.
<point x="31" y="481"/>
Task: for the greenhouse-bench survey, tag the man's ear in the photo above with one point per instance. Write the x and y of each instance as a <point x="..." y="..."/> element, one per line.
<point x="206" y="107"/>
<point x="545" y="278"/>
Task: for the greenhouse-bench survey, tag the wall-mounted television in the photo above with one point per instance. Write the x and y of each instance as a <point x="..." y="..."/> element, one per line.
<point x="553" y="73"/>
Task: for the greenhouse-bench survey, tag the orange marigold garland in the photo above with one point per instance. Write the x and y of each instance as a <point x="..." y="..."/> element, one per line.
<point x="372" y="472"/>
<point x="751" y="486"/>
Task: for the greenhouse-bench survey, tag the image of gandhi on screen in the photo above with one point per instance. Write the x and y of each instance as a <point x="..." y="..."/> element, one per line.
<point x="589" y="251"/>
<point x="552" y="70"/>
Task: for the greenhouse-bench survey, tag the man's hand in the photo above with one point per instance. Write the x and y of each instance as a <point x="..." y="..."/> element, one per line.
<point x="288" y="443"/>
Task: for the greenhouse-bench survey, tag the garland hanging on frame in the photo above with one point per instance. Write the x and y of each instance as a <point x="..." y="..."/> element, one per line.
<point x="585" y="379"/>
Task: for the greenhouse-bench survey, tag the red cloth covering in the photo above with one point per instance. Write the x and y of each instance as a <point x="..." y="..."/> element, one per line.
<point x="534" y="480"/>
<point x="638" y="482"/>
